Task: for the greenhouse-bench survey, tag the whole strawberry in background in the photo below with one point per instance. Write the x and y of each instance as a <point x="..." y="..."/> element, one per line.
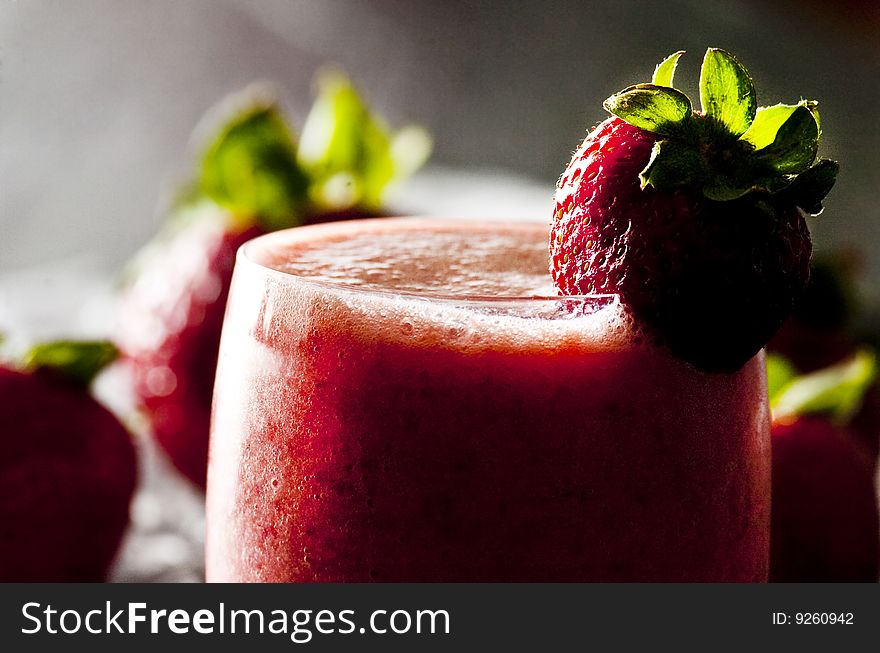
<point x="695" y="219"/>
<point x="68" y="468"/>
<point x="254" y="178"/>
<point x="824" y="520"/>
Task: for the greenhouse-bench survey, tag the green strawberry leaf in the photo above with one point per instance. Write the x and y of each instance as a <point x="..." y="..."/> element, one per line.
<point x="767" y="124"/>
<point x="779" y="372"/>
<point x="80" y="361"/>
<point x="795" y="144"/>
<point x="657" y="109"/>
<point x="665" y="70"/>
<point x="733" y="149"/>
<point x="811" y="186"/>
<point x="349" y="152"/>
<point x="250" y="167"/>
<point x="727" y="94"/>
<point x="722" y="188"/>
<point x="673" y="163"/>
<point x="836" y="391"/>
<point x="744" y="181"/>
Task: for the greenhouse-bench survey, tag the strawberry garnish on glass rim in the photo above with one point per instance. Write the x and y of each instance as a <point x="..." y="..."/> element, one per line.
<point x="695" y="219"/>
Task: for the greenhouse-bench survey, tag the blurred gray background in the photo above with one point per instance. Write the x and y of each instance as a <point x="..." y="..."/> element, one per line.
<point x="98" y="98"/>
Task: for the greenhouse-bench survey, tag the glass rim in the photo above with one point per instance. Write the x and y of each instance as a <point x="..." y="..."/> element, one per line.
<point x="245" y="256"/>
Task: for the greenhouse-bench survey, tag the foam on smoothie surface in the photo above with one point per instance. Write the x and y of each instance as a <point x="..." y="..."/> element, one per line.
<point x="508" y="263"/>
<point x="413" y="261"/>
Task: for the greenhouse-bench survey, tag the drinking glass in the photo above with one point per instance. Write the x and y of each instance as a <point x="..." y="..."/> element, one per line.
<point x="371" y="434"/>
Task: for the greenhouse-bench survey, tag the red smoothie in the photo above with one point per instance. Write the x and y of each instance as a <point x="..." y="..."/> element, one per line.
<point x="405" y="400"/>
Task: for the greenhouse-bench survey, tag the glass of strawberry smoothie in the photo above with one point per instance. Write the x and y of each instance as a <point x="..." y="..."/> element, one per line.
<point x="407" y="400"/>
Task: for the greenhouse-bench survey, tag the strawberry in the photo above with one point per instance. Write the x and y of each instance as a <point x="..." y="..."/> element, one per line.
<point x="254" y="178"/>
<point x="67" y="468"/>
<point x="824" y="521"/>
<point x="695" y="219"/>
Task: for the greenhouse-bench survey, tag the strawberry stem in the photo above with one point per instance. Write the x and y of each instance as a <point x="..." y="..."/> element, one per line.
<point x="345" y="159"/>
<point x="733" y="147"/>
